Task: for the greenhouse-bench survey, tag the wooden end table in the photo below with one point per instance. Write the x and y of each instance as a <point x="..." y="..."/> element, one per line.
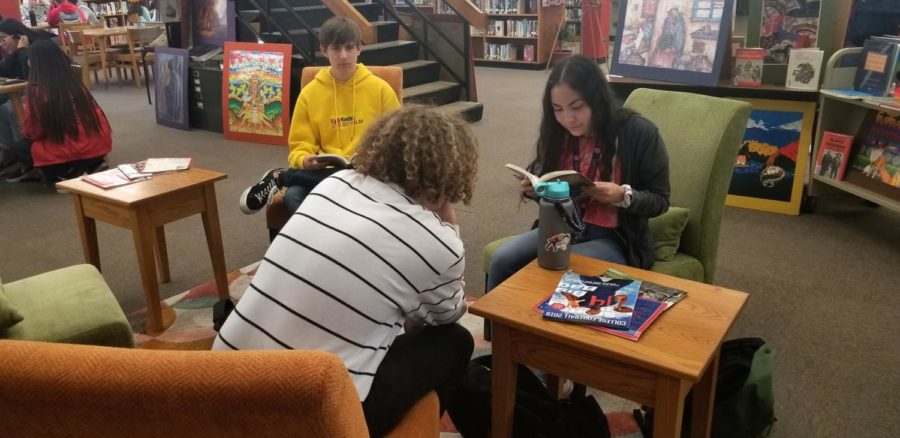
<point x="679" y="351"/>
<point x="144" y="208"/>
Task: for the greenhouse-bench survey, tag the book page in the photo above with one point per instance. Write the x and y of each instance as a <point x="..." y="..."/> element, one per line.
<point x="521" y="173"/>
<point x="166" y="164"/>
<point x="334" y="160"/>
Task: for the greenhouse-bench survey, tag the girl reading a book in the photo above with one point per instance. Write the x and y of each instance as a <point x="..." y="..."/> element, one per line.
<point x="583" y="129"/>
<point x="66" y="133"/>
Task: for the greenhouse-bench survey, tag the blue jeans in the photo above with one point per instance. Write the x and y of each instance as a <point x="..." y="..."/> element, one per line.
<point x="299" y="184"/>
<point x="596" y="242"/>
<point x="9" y="126"/>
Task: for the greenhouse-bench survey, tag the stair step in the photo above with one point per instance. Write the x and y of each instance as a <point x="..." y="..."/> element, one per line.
<point x="436" y="93"/>
<point x="249" y="15"/>
<point x="419" y="72"/>
<point x="469" y="111"/>
<point x="386" y="30"/>
<point x="386" y="53"/>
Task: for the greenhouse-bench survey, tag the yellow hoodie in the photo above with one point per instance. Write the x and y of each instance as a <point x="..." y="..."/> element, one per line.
<point x="330" y="117"/>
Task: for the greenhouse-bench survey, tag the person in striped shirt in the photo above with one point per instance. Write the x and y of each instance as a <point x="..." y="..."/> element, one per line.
<point x="373" y="250"/>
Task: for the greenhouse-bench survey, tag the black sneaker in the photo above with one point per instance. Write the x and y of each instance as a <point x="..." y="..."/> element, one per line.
<point x="260" y="194"/>
<point x="22" y="174"/>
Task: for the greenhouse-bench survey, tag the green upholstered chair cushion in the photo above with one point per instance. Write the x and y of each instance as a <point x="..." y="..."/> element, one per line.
<point x="70" y="305"/>
<point x="666" y="229"/>
<point x="490" y="249"/>
<point x="681" y="266"/>
<point x="8" y="314"/>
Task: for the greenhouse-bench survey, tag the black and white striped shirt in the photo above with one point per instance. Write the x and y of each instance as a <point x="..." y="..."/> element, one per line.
<point x="357" y="260"/>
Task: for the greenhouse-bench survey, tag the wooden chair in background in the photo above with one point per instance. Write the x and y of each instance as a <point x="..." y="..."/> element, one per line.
<point x="83" y="52"/>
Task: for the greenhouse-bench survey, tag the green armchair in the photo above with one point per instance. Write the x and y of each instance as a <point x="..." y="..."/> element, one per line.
<point x="72" y="305"/>
<point x="702" y="135"/>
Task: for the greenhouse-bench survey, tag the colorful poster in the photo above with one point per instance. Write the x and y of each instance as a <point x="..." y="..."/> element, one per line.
<point x="673" y="40"/>
<point x="788" y="24"/>
<point x="171" y="76"/>
<point x="255" y="92"/>
<point x="771" y="163"/>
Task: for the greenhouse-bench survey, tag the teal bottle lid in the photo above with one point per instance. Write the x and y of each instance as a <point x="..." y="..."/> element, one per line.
<point x="553" y="189"/>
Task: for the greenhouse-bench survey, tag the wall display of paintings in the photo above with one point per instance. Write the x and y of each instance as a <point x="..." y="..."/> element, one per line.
<point x="170" y="73"/>
<point x="771" y="164"/>
<point x="786" y="25"/>
<point x="212" y="21"/>
<point x="255" y="92"/>
<point x="673" y="40"/>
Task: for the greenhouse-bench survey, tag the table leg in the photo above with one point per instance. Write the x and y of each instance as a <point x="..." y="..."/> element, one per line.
<point x="87" y="227"/>
<point x="669" y="406"/>
<point x="503" y="383"/>
<point x="704" y="397"/>
<point x="162" y="255"/>
<point x="103" y="67"/>
<point x="143" y="242"/>
<point x="17" y="106"/>
<point x="214" y="240"/>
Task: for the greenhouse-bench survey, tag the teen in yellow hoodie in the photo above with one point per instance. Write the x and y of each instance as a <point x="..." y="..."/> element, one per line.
<point x="330" y="116"/>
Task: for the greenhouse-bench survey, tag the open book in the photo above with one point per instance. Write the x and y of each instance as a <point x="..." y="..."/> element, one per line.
<point x="576" y="180"/>
<point x="334" y="160"/>
<point x="110" y="178"/>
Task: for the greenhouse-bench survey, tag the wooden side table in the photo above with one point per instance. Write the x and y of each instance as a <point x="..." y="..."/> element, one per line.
<point x="678" y="352"/>
<point x="144" y="208"/>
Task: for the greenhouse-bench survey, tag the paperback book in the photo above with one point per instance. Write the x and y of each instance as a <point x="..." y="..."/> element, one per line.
<point x="110" y="178"/>
<point x="803" y="69"/>
<point x="876" y="75"/>
<point x="584" y="299"/>
<point x="157" y="165"/>
<point x="834" y="153"/>
<point x="748" y="66"/>
<point x="576" y="180"/>
<point x="878" y="155"/>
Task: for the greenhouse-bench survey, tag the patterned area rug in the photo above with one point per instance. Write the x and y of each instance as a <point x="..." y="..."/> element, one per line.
<point x="192" y="330"/>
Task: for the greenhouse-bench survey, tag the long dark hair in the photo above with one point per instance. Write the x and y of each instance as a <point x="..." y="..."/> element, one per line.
<point x="584" y="76"/>
<point x="57" y="100"/>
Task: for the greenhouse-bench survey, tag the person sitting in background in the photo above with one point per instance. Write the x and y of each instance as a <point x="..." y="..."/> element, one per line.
<point x="137" y="13"/>
<point x="330" y="116"/>
<point x="374" y="249"/>
<point x="89" y="13"/>
<point x="53" y="145"/>
<point x="15" y="39"/>
<point x="62" y="11"/>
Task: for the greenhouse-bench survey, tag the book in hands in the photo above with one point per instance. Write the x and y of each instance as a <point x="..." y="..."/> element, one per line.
<point x="834" y="154"/>
<point x="576" y="180"/>
<point x="158" y="165"/>
<point x="335" y="160"/>
<point x="583" y="299"/>
<point x="110" y="178"/>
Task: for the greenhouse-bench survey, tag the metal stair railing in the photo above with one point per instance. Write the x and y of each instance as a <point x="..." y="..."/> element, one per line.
<point x="266" y="13"/>
<point x="464" y="52"/>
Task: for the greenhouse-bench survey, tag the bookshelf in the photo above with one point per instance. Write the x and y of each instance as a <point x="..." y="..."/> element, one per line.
<point x="847" y="116"/>
<point x="519" y="33"/>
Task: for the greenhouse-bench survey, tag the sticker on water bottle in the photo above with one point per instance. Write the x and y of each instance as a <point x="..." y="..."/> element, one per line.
<point x="558" y="242"/>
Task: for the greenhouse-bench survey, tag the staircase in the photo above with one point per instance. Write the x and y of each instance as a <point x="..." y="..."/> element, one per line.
<point x="427" y="76"/>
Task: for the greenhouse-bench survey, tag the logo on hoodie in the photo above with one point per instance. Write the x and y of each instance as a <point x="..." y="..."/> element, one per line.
<point x="345" y="121"/>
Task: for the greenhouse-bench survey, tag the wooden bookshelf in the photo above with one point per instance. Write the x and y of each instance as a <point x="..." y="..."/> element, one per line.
<point x="510" y="39"/>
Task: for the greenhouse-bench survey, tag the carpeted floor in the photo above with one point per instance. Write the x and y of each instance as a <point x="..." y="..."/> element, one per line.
<point x="192" y="330"/>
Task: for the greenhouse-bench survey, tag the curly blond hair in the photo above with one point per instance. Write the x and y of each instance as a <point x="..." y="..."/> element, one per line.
<point x="432" y="156"/>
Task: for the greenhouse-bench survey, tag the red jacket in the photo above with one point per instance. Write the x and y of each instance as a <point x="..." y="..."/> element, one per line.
<point x="65" y="6"/>
<point x="45" y="152"/>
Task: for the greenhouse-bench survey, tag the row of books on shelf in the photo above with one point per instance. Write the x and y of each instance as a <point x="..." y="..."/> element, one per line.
<point x="513" y="28"/>
<point x="508" y="6"/>
<point x="614" y="302"/>
<point x="133" y="172"/>
<point x="509" y="52"/>
<point x="874" y="151"/>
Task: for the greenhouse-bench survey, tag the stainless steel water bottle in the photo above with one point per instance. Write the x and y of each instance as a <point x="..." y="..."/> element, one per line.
<point x="556" y="219"/>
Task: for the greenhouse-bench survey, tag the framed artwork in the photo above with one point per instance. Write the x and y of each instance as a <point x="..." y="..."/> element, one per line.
<point x="170" y="73"/>
<point x="212" y="21"/>
<point x="772" y="160"/>
<point x="169" y="11"/>
<point x="786" y="25"/>
<point x="255" y="92"/>
<point x="673" y="40"/>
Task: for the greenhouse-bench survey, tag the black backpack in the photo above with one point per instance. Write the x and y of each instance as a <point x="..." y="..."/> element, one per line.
<point x="744" y="405"/>
<point x="537" y="414"/>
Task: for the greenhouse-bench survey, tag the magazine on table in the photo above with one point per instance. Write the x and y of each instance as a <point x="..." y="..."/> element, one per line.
<point x="158" y="165"/>
<point x="585" y="299"/>
<point x="653" y="299"/>
<point x="110" y="178"/>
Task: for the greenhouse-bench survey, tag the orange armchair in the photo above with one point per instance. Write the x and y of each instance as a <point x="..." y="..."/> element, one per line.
<point x="51" y="389"/>
<point x="276" y="216"/>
